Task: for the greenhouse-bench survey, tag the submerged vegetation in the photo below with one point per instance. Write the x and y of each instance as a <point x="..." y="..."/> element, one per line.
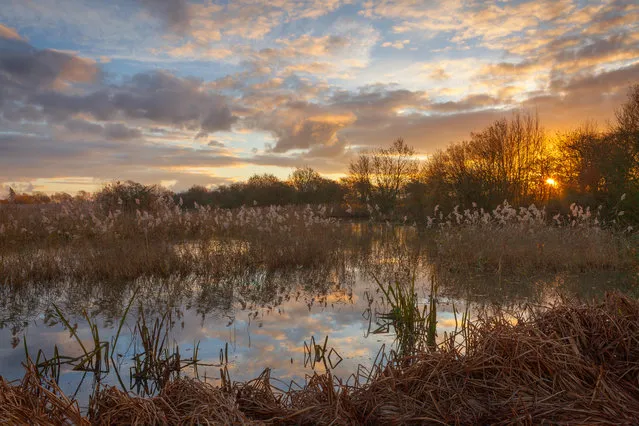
<point x="568" y="363"/>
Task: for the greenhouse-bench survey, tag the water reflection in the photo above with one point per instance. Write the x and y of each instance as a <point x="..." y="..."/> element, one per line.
<point x="266" y="318"/>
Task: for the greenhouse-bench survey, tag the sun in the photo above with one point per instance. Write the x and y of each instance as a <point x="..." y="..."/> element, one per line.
<point x="551" y="182"/>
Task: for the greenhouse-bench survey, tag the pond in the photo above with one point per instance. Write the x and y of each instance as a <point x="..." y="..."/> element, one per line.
<point x="243" y="323"/>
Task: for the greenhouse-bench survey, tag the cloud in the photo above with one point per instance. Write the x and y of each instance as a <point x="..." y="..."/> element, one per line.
<point x="193" y="50"/>
<point x="307" y="45"/>
<point x="9" y="33"/>
<point x="297" y="81"/>
<point x="27" y="157"/>
<point x="345" y="47"/>
<point x="439" y="74"/>
<point x="156" y="96"/>
<point x="308" y="68"/>
<point x="83" y="128"/>
<point x="208" y="22"/>
<point x="23" y="67"/>
<point x="300" y="125"/>
<point x="162" y="97"/>
<point x="119" y="131"/>
<point x="471" y="102"/>
<point x="399" y="44"/>
<point x="175" y="14"/>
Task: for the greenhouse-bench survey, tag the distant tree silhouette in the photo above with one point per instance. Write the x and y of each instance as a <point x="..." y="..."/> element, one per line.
<point x="380" y="177"/>
<point x="196" y="194"/>
<point x="130" y="196"/>
<point x="599" y="167"/>
<point x="266" y="189"/>
<point x="312" y="188"/>
<point x="509" y="160"/>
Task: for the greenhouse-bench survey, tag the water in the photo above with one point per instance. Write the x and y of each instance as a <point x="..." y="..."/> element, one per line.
<point x="263" y="319"/>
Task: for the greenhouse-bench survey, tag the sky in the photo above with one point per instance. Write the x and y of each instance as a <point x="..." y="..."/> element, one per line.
<point x="179" y="92"/>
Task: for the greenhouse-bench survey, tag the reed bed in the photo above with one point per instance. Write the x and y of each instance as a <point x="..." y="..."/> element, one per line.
<point x="82" y="242"/>
<point x="525" y="240"/>
<point x="572" y="364"/>
<point x="567" y="364"/>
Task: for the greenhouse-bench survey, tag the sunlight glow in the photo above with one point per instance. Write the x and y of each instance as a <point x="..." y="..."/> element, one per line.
<point x="551" y="182"/>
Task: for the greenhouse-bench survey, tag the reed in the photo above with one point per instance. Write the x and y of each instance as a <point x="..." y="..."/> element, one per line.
<point x="37" y="400"/>
<point x="415" y="324"/>
<point x="525" y="241"/>
<point x="81" y="242"/>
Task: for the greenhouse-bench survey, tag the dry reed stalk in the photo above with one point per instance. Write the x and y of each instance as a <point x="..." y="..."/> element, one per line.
<point x="182" y="401"/>
<point x="36" y="400"/>
<point x="257" y="400"/>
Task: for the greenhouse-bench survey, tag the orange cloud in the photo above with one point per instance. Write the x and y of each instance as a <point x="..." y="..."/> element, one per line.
<point x="10" y="33"/>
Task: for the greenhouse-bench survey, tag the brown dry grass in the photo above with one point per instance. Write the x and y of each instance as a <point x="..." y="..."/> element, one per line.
<point x="514" y="249"/>
<point x="37" y="401"/>
<point x="182" y="401"/>
<point x="569" y="364"/>
<point x="76" y="241"/>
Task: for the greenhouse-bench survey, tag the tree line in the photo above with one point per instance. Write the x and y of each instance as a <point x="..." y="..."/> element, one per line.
<point x="512" y="159"/>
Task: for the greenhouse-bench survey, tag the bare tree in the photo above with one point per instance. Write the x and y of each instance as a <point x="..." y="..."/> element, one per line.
<point x="628" y="115"/>
<point x="509" y="157"/>
<point x="508" y="160"/>
<point x="392" y="169"/>
<point x="381" y="176"/>
<point x="305" y="179"/>
<point x="359" y="177"/>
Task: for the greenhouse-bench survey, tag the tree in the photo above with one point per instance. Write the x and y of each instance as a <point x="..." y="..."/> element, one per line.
<point x="312" y="188"/>
<point x="266" y="189"/>
<point x="305" y="179"/>
<point x="195" y="194"/>
<point x="627" y="132"/>
<point x="599" y="167"/>
<point x="130" y="196"/>
<point x="628" y="114"/>
<point x="61" y="197"/>
<point x="508" y="160"/>
<point x="392" y="169"/>
<point x="359" y="178"/>
<point x="380" y="177"/>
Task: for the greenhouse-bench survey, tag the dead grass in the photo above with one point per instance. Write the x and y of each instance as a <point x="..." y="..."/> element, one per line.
<point x="182" y="401"/>
<point x="37" y="401"/>
<point x="568" y="364"/>
<point x="514" y="249"/>
<point x="525" y="240"/>
<point x="79" y="242"/>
